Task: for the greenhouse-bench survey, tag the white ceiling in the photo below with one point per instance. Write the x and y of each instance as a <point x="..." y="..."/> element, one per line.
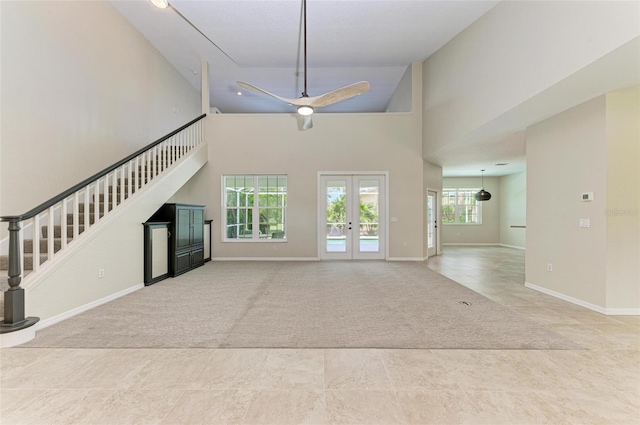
<point x="348" y="41"/>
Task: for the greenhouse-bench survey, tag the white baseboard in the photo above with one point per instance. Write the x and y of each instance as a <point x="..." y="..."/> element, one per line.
<point x="302" y="259"/>
<point x="265" y="259"/>
<point x="512" y="246"/>
<point x="406" y="259"/>
<point x="68" y="314"/>
<point x="581" y="303"/>
<point x="470" y="244"/>
<point x="623" y="312"/>
<point x="567" y="298"/>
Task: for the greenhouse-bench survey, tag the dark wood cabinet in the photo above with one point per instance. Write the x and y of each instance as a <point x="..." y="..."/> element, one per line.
<point x="186" y="235"/>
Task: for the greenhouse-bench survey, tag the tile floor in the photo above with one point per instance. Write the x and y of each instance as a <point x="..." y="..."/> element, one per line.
<point x="600" y="385"/>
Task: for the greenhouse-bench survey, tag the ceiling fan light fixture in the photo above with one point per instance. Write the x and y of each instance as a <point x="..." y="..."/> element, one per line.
<point x="305" y="110"/>
<point x="162" y="4"/>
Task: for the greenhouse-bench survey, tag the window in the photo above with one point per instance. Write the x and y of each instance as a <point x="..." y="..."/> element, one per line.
<point x="248" y="220"/>
<point x="459" y="206"/>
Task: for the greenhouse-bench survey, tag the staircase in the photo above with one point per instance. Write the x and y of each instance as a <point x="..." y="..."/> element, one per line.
<point x="28" y="257"/>
<point x="89" y="214"/>
<point x="42" y="234"/>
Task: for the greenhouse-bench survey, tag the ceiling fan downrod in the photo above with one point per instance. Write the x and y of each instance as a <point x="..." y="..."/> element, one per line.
<point x="305" y="110"/>
<point x="304" y="13"/>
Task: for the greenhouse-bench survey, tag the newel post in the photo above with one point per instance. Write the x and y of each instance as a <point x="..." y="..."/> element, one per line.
<point x="14" y="319"/>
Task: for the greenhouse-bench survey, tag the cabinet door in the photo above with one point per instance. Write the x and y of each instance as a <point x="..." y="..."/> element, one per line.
<point x="156" y="252"/>
<point x="197" y="226"/>
<point x="183" y="262"/>
<point x="197" y="257"/>
<point x="183" y="228"/>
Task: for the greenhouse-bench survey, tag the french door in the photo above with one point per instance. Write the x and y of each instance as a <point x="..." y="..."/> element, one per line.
<point x="352" y="217"/>
<point x="432" y="223"/>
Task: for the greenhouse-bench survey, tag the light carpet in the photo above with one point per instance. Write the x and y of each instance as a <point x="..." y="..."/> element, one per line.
<point x="361" y="304"/>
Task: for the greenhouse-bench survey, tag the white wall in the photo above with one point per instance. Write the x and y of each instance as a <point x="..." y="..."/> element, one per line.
<point x="514" y="52"/>
<point x="401" y="99"/>
<point x="513" y="209"/>
<point x="623" y="201"/>
<point x="264" y="143"/>
<point x="81" y="89"/>
<point x="489" y="231"/>
<point x="594" y="147"/>
<point x="566" y="156"/>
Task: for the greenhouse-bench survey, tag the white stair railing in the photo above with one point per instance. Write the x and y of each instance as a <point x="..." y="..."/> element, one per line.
<point x="63" y="220"/>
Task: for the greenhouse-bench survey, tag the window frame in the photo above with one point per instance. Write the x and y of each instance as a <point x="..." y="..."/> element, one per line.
<point x="255" y="210"/>
<point x="457" y="206"/>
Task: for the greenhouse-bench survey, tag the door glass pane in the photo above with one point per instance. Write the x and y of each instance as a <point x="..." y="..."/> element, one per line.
<point x="369" y="194"/>
<point x="431" y="220"/>
<point x="198" y="226"/>
<point x="183" y="227"/>
<point x="336" y="239"/>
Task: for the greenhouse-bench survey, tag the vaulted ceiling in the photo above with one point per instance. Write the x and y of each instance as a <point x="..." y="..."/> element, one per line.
<point x="260" y="42"/>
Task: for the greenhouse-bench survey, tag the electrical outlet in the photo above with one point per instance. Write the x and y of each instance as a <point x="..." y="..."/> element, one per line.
<point x="549" y="267"/>
<point x="100" y="273"/>
<point x="273" y="248"/>
<point x="404" y="244"/>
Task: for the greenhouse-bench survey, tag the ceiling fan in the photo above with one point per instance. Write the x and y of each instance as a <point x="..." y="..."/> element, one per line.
<point x="306" y="105"/>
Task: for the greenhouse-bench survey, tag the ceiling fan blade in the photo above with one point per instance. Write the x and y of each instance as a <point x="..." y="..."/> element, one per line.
<point x="307" y="122"/>
<point x="336" y="96"/>
<point x="259" y="90"/>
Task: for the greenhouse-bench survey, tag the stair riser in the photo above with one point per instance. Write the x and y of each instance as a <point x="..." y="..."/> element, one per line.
<point x="118" y="191"/>
<point x="57" y="244"/>
<point x="92" y="218"/>
<point x="92" y="208"/>
<point x="101" y="199"/>
<point x="27" y="260"/>
<point x="57" y="231"/>
<point x="142" y="180"/>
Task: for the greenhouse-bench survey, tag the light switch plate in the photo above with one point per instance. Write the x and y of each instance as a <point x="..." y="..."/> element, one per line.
<point x="585" y="222"/>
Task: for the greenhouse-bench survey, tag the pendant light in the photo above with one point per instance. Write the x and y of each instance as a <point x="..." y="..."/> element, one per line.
<point x="483" y="195"/>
